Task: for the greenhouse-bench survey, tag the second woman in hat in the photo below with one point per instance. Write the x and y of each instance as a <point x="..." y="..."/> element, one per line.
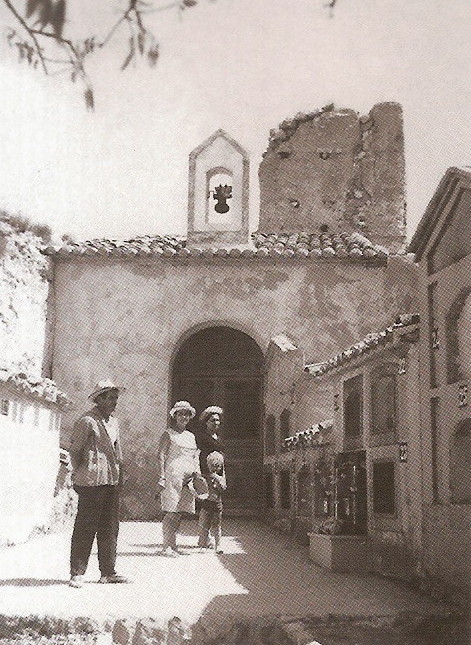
<point x="178" y="460"/>
<point x="207" y="437"/>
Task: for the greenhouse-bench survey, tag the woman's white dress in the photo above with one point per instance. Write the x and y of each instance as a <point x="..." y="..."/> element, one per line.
<point x="178" y="462"/>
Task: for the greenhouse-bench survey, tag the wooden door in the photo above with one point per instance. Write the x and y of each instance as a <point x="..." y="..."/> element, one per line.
<point x="241" y="399"/>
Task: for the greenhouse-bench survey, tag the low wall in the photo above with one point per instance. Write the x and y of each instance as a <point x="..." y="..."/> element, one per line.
<point x="29" y="465"/>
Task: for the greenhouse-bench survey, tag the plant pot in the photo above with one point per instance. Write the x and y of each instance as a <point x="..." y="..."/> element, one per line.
<point x="340" y="553"/>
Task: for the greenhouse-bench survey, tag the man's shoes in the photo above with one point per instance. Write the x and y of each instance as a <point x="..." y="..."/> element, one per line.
<point x="169" y="552"/>
<point x="115" y="579"/>
<point x="76" y="582"/>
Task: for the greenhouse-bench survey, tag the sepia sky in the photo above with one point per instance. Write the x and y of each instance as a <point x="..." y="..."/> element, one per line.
<point x="240" y="65"/>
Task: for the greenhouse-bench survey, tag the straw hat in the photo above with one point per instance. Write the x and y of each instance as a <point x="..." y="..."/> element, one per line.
<point x="104" y="386"/>
<point x="182" y="405"/>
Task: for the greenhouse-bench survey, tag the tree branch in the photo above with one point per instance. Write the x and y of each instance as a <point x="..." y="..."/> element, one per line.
<point x="51" y="20"/>
<point x="29" y="31"/>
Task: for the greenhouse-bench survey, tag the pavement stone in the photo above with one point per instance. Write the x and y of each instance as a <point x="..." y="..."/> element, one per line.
<point x="261" y="573"/>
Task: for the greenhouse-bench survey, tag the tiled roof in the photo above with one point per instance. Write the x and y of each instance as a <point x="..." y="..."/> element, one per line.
<point x="370" y="342"/>
<point x="313" y="436"/>
<point x="42" y="388"/>
<point x="350" y="246"/>
<point x="139" y="245"/>
<point x="340" y="245"/>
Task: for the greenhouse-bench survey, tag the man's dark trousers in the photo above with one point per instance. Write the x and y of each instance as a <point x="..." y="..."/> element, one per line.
<point x="97" y="514"/>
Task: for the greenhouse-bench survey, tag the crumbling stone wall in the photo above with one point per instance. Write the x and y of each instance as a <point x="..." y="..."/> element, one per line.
<point x="338" y="170"/>
<point x="24" y="273"/>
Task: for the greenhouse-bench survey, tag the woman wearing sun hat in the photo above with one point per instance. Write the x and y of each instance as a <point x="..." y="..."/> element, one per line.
<point x="178" y="460"/>
<point x="207" y="437"/>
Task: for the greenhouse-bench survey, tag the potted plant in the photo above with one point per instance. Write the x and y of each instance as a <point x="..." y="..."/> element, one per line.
<point x="339" y="542"/>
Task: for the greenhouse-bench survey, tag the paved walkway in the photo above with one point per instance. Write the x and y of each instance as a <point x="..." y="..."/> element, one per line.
<point x="261" y="573"/>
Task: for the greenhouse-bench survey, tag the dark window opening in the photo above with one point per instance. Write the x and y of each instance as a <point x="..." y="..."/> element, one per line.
<point x="285" y="426"/>
<point x="304" y="492"/>
<point x="384" y="488"/>
<point x="285" y="489"/>
<point x="434" y="411"/>
<point x="460" y="464"/>
<point x="322" y="490"/>
<point x="353" y="406"/>
<point x="383" y="402"/>
<point x="4" y="407"/>
<point x="433" y="334"/>
<point x="269" y="492"/>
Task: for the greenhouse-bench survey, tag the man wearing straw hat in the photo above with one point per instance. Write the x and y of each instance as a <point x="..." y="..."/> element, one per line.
<point x="96" y="458"/>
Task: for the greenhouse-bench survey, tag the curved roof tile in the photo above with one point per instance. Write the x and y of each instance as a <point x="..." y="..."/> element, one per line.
<point x="371" y="341"/>
<point x="42" y="388"/>
<point x="354" y="246"/>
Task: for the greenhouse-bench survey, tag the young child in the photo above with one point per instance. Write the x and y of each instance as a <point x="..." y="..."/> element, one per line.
<point x="210" y="519"/>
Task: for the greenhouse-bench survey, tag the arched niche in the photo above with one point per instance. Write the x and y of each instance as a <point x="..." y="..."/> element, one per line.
<point x="458" y="330"/>
<point x="218" y="193"/>
<point x="219" y="184"/>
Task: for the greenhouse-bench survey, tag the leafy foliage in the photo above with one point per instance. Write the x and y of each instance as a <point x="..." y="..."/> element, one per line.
<point x="38" y="35"/>
<point x="22" y="224"/>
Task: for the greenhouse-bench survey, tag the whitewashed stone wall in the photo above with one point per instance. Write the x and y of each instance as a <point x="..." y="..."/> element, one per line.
<point x="29" y="464"/>
<point x="24" y="287"/>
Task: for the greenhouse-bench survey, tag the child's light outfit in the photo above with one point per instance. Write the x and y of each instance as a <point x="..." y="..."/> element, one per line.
<point x="210" y="519"/>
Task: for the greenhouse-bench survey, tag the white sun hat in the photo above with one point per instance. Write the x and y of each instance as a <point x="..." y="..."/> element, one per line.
<point x="182" y="405"/>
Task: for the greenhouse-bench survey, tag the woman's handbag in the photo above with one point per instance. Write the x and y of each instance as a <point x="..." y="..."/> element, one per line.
<point x="198" y="487"/>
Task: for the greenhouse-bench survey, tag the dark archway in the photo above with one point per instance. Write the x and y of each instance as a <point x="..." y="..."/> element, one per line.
<point x="223" y="366"/>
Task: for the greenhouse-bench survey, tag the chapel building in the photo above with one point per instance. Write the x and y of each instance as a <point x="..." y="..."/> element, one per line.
<point x="172" y="318"/>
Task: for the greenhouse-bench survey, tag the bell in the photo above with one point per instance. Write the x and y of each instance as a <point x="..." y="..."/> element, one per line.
<point x="221" y="207"/>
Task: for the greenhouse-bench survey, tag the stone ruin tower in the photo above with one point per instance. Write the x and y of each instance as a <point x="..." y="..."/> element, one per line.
<point x="336" y="171"/>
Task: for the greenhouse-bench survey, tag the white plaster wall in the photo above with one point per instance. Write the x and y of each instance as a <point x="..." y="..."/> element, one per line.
<point x="29" y="463"/>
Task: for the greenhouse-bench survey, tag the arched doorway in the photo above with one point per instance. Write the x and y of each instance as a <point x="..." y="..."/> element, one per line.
<point x="223" y="366"/>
